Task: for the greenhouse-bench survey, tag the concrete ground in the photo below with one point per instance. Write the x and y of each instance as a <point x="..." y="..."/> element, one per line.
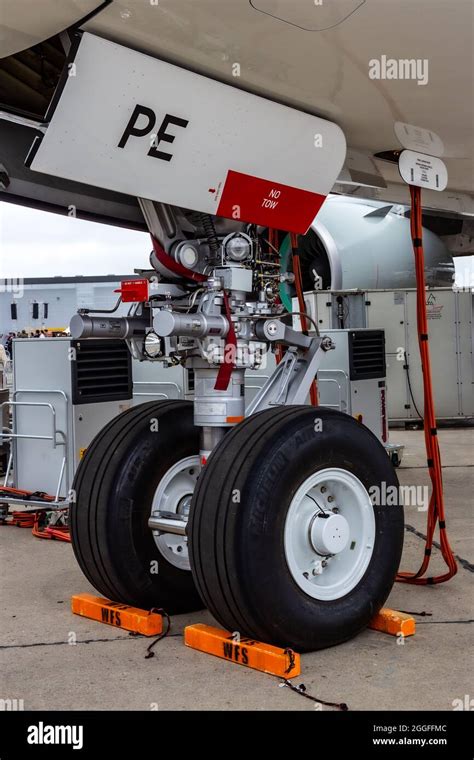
<point x="107" y="669"/>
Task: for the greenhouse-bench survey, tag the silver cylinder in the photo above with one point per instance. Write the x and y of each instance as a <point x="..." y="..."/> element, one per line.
<point x="84" y="326"/>
<point x="168" y="525"/>
<point x="215" y="408"/>
<point x="198" y="325"/>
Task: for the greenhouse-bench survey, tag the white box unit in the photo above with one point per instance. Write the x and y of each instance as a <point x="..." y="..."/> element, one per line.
<point x="64" y="392"/>
<point x="394" y="311"/>
<point x="154" y="382"/>
<point x="352" y="378"/>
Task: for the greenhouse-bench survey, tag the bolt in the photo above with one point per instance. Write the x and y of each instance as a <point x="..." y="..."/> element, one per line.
<point x="323" y="489"/>
<point x="324" y="563"/>
<point x="272" y="328"/>
<point x="335" y="510"/>
<point x="330" y="498"/>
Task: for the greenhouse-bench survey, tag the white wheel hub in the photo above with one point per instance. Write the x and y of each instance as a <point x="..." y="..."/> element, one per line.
<point x="329" y="533"/>
<point x="173" y="497"/>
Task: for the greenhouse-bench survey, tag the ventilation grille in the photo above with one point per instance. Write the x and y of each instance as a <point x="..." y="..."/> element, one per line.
<point x="101" y="371"/>
<point x="367" y="354"/>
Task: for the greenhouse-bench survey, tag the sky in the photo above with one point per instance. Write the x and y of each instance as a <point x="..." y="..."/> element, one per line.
<point x="40" y="244"/>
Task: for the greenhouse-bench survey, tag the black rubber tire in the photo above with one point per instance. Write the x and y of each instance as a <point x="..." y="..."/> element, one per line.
<point x="114" y="488"/>
<point x="236" y="548"/>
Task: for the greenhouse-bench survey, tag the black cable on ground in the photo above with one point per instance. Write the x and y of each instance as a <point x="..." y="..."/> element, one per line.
<point x="301" y="689"/>
<point x="162" y="635"/>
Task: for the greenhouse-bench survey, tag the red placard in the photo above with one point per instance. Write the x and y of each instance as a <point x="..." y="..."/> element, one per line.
<point x="133" y="291"/>
<point x="271" y="204"/>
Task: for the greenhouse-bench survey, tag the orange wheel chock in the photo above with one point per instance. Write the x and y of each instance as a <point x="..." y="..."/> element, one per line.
<point x="117" y="614"/>
<point x="393" y="622"/>
<point x="243" y="651"/>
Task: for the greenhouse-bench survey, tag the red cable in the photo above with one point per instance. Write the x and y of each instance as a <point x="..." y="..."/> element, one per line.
<point x="436" y="513"/>
<point x="175" y="266"/>
<point x="313" y="392"/>
<point x="230" y="351"/>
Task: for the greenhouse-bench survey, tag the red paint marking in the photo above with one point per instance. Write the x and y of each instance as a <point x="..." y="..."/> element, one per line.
<point x="260" y="201"/>
<point x="225" y="370"/>
<point x="212" y="189"/>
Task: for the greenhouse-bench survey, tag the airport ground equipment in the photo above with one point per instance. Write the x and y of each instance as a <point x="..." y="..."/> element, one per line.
<point x="450" y="325"/>
<point x="5" y="423"/>
<point x="64" y="392"/>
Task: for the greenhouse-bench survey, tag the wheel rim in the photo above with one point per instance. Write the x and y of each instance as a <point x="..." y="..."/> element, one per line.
<point x="173" y="495"/>
<point x="328" y="555"/>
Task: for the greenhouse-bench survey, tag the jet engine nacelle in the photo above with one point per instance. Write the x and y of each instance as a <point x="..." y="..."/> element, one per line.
<point x="355" y="243"/>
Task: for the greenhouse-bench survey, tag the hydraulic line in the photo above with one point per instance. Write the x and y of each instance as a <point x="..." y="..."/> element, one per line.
<point x="313" y="393"/>
<point x="436" y="513"/>
<point x="273" y="243"/>
<point x="206" y="222"/>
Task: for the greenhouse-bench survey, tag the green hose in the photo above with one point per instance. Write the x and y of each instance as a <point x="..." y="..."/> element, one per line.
<point x="285" y="287"/>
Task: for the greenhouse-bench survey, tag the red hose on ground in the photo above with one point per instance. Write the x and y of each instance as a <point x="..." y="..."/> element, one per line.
<point x="436" y="512"/>
<point x="33" y="519"/>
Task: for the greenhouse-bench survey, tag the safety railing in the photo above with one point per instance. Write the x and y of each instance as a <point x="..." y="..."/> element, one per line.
<point x="57" y="437"/>
<point x="342" y="403"/>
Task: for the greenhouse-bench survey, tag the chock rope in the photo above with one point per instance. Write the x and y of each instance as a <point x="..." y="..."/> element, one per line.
<point x="162" y="635"/>
<point x="436" y="512"/>
<point x="301" y="689"/>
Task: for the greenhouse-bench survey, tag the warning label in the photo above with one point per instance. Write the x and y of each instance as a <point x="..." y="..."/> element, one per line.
<point x="268" y="203"/>
<point x="433" y="310"/>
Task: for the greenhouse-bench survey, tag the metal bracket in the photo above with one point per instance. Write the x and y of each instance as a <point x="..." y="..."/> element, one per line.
<point x="291" y="381"/>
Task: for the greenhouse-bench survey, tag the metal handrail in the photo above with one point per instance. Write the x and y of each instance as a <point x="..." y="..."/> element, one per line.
<point x="56" y="434"/>
<point x="339" y="386"/>
<point x="55" y="431"/>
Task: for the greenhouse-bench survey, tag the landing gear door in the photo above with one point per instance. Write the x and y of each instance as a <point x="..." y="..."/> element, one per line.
<point x="125" y="121"/>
